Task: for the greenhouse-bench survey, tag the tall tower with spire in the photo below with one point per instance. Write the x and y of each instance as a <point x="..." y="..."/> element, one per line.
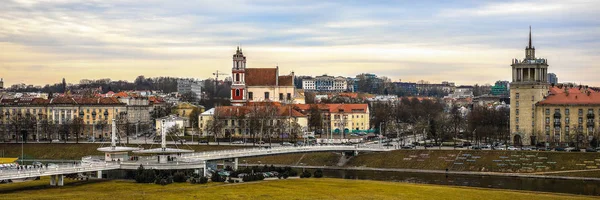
<point x="238" y="75"/>
<point x="529" y="85"/>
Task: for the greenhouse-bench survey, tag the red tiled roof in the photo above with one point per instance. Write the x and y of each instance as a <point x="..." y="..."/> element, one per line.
<point x="571" y="96"/>
<point x="24" y="101"/>
<point x="286" y="80"/>
<point x="121" y="94"/>
<point x="335" y="108"/>
<point x="235" y="111"/>
<point x="261" y="76"/>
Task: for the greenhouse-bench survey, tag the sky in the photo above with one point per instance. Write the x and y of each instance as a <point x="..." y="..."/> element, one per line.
<point x="466" y="42"/>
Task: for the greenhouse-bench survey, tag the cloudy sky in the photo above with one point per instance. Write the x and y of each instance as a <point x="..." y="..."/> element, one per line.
<point x="464" y="41"/>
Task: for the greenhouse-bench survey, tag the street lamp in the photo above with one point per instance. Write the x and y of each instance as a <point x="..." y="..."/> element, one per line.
<point x="94" y="125"/>
<point x="6" y="125"/>
<point x="81" y="114"/>
<point x="37" y="137"/>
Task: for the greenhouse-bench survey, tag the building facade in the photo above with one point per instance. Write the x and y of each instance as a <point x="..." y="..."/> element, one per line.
<point x="552" y="78"/>
<point x="190" y="85"/>
<point x="568" y="116"/>
<point x="529" y="85"/>
<point x="500" y="88"/>
<point x="96" y="114"/>
<point x="325" y="84"/>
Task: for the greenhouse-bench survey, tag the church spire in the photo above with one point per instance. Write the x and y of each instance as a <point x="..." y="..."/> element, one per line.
<point x="530" y="37"/>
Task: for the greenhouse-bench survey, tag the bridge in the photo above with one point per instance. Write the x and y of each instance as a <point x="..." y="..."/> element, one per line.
<point x="199" y="161"/>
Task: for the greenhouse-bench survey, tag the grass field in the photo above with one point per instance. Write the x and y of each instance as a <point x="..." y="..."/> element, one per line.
<point x="309" y="159"/>
<point x="280" y="189"/>
<point x="466" y="160"/>
<point x="76" y="151"/>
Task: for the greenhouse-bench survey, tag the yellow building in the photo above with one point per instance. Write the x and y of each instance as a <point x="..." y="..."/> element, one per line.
<point x="185" y="109"/>
<point x="59" y="111"/>
<point x="341" y="117"/>
<point x="529" y="85"/>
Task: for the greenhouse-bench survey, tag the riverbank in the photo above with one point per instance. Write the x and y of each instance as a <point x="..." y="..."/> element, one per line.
<point x="280" y="189"/>
<point x="562" y="175"/>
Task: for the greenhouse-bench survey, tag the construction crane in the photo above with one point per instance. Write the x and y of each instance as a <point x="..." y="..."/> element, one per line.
<point x="216" y="74"/>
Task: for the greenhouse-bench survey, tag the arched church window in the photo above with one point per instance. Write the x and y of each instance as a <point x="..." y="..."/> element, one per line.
<point x="237" y="77"/>
<point x="237" y="92"/>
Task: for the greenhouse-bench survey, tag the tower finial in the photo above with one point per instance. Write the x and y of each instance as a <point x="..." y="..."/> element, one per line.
<point x="530" y="37"/>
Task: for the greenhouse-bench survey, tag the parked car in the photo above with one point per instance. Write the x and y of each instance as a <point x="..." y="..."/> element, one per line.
<point x="570" y="149"/>
<point x="203" y="141"/>
<point x="499" y="148"/>
<point x="408" y="146"/>
<point x="476" y="148"/>
<point x="388" y="145"/>
<point x="238" y="142"/>
<point x="560" y="149"/>
<point x="286" y="144"/>
<point x="511" y="148"/>
<point x="55" y="140"/>
<point x="529" y="148"/>
<point x="260" y="142"/>
<point x="590" y="149"/>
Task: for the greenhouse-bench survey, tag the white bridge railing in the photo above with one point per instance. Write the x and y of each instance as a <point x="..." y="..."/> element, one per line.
<point x="184" y="161"/>
<point x="237" y="153"/>
<point x="54" y="170"/>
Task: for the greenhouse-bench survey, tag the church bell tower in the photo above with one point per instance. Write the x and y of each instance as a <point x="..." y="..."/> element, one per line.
<point x="238" y="72"/>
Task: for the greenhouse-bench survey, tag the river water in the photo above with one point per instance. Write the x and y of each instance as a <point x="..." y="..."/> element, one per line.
<point x="498" y="182"/>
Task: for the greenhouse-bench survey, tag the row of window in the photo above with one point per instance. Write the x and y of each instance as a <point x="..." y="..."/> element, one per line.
<point x="567" y="111"/>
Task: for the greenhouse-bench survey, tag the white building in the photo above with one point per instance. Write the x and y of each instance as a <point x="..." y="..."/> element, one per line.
<point x="190" y="85"/>
<point x="163" y="125"/>
<point x="325" y="84"/>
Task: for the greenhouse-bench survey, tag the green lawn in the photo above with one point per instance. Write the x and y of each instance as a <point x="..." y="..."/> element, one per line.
<point x="280" y="189"/>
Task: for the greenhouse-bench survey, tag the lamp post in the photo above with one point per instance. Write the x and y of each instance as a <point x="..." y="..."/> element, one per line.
<point x="94" y="125"/>
<point x="105" y="118"/>
<point x="137" y="129"/>
<point x="22" y="139"/>
<point x="37" y="137"/>
<point x="81" y="114"/>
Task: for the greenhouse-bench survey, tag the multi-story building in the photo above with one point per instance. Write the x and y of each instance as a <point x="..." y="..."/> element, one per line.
<point x="260" y="84"/>
<point x="325" y="84"/>
<point x="190" y="85"/>
<point x="567" y="116"/>
<point x="1" y="83"/>
<point x="529" y="85"/>
<point x="95" y="113"/>
<point x="340" y="117"/>
<point x="500" y="88"/>
<point x="407" y="88"/>
<point x="552" y="78"/>
<point x="236" y="120"/>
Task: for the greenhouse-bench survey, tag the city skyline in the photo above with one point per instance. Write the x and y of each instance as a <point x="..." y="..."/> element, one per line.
<point x="462" y="42"/>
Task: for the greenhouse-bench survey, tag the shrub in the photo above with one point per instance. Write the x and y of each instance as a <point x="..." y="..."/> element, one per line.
<point x="318" y="173"/>
<point x="179" y="177"/>
<point x="305" y="174"/>
<point x="285" y="175"/>
<point x="193" y="181"/>
<point x="216" y="178"/>
<point x="203" y="180"/>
